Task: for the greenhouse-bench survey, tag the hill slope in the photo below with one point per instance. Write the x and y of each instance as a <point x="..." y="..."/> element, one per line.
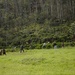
<point x="36" y="21"/>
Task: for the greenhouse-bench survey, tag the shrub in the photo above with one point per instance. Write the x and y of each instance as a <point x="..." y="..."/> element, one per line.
<point x="38" y="46"/>
<point x="48" y="46"/>
<point x="66" y="44"/>
<point x="59" y="44"/>
<point x="72" y="43"/>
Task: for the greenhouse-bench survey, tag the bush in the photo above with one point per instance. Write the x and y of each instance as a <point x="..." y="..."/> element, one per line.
<point x="38" y="46"/>
<point x="48" y="46"/>
<point x="66" y="44"/>
<point x="59" y="44"/>
<point x="72" y="44"/>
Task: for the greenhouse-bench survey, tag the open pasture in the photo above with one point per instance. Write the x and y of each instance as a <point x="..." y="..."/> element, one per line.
<point x="39" y="62"/>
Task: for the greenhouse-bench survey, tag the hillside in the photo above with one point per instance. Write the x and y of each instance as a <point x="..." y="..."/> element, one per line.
<point x="36" y="21"/>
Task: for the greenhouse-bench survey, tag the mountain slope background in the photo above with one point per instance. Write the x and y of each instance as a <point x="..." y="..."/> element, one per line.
<point x="36" y="22"/>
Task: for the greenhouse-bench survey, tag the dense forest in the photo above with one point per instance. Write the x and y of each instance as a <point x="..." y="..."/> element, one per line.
<point x="33" y="22"/>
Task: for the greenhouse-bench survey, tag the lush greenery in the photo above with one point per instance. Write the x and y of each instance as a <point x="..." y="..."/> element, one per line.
<point x="36" y="22"/>
<point x="39" y="62"/>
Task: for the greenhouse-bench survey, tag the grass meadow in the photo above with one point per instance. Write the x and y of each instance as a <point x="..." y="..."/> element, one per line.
<point x="39" y="62"/>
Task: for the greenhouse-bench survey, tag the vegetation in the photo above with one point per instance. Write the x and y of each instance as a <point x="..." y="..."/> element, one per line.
<point x="39" y="62"/>
<point x="32" y="23"/>
<point x="36" y="22"/>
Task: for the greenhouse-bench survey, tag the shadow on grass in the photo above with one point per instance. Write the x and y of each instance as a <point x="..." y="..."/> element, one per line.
<point x="33" y="61"/>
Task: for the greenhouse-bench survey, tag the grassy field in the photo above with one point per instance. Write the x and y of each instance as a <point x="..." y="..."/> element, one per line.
<point x="39" y="62"/>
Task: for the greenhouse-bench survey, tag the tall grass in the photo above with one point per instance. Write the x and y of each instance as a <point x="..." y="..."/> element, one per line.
<point x="39" y="62"/>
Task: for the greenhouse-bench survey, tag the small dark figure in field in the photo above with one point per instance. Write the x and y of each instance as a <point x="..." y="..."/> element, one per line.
<point x="21" y="49"/>
<point x="0" y="52"/>
<point x="4" y="51"/>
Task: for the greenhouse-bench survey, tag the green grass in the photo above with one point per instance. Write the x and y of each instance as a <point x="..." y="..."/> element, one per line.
<point x="39" y="62"/>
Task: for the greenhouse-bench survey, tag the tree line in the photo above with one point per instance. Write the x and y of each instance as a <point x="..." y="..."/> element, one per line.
<point x="54" y="20"/>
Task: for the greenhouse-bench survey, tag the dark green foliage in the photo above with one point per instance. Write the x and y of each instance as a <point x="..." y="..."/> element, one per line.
<point x="48" y="46"/>
<point x="38" y="46"/>
<point x="59" y="44"/>
<point x="36" y="22"/>
<point x="72" y="44"/>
